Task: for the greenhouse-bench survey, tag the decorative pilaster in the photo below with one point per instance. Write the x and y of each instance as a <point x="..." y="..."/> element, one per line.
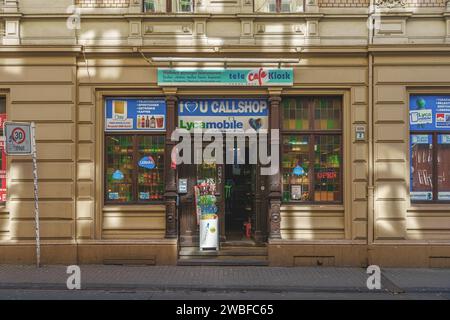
<point x="170" y="194"/>
<point x="274" y="194"/>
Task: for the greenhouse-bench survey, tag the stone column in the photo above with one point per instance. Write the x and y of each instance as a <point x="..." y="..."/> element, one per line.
<point x="170" y="194"/>
<point x="274" y="194"/>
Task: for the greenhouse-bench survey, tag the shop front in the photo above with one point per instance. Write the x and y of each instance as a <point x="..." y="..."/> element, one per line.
<point x="224" y="159"/>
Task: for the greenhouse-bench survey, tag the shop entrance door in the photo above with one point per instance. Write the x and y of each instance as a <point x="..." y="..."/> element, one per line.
<point x="240" y="201"/>
<point x="240" y="194"/>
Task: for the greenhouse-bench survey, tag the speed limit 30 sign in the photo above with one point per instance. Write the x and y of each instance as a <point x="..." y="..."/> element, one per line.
<point x="18" y="138"/>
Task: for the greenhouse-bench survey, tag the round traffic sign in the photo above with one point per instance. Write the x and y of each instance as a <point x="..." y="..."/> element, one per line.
<point x="18" y="135"/>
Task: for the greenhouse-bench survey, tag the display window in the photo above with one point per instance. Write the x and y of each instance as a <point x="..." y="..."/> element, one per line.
<point x="312" y="149"/>
<point x="134" y="150"/>
<point x="3" y="188"/>
<point x="429" y="119"/>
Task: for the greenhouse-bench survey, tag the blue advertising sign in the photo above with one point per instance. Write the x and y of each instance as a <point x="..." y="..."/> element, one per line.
<point x="135" y="114"/>
<point x="429" y="113"/>
<point x="223" y="114"/>
<point x="147" y="162"/>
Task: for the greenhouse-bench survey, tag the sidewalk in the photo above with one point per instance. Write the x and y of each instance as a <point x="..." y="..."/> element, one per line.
<point x="302" y="279"/>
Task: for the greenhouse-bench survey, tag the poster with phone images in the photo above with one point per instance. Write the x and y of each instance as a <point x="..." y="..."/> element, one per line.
<point x="135" y="114"/>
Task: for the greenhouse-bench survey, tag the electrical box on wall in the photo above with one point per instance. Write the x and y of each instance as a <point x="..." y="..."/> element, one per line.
<point x="360" y="133"/>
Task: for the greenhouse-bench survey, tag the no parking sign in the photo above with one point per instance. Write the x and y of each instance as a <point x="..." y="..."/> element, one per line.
<point x="18" y="138"/>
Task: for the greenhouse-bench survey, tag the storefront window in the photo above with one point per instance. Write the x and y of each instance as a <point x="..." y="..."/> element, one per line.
<point x="429" y="148"/>
<point x="134" y="168"/>
<point x="2" y="152"/>
<point x="312" y="149"/>
<point x="134" y="150"/>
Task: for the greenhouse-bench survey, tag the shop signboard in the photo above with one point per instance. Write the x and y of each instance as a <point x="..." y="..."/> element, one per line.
<point x="259" y="77"/>
<point x="223" y="114"/>
<point x="135" y="114"/>
<point x="429" y="113"/>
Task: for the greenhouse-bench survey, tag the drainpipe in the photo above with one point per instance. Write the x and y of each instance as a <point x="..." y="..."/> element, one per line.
<point x="371" y="164"/>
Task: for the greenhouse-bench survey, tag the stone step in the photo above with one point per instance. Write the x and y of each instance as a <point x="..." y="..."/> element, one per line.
<point x="193" y="251"/>
<point x="222" y="262"/>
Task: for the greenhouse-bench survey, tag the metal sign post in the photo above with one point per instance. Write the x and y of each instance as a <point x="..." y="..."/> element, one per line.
<point x="36" y="196"/>
<point x="20" y="140"/>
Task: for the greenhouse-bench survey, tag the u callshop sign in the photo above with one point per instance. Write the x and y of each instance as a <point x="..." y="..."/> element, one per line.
<point x="259" y="77"/>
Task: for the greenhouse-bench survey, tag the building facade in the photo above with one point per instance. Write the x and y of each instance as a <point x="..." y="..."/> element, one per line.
<point x="365" y="122"/>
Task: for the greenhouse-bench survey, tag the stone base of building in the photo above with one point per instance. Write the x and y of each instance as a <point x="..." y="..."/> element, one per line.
<point x="157" y="252"/>
<point x="291" y="254"/>
<point x="281" y="253"/>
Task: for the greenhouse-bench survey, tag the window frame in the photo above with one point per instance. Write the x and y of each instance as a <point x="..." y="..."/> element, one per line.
<point x="434" y="143"/>
<point x="312" y="133"/>
<point x="135" y="184"/>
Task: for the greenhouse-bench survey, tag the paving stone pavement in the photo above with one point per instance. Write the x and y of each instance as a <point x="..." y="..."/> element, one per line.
<point x="300" y="279"/>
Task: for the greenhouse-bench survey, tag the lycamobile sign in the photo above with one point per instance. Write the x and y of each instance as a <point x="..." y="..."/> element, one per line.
<point x="223" y="114"/>
<point x="226" y="77"/>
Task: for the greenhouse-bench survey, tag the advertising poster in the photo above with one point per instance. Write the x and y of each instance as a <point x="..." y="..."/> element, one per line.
<point x="226" y="77"/>
<point x="135" y="114"/>
<point x="421" y="184"/>
<point x="429" y="113"/>
<point x="223" y="114"/>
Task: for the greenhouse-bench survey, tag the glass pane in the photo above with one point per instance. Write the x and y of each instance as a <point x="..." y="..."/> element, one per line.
<point x="150" y="164"/>
<point x="443" y="167"/>
<point x="296" y="168"/>
<point x="327" y="113"/>
<point x="154" y="5"/>
<point x="185" y="5"/>
<point x="327" y="168"/>
<point x="285" y="5"/>
<point x="295" y="114"/>
<point x="421" y="179"/>
<point x="119" y="168"/>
